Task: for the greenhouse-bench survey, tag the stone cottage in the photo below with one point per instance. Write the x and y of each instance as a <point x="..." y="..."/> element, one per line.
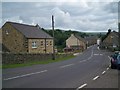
<point x="74" y="43"/>
<point x="112" y="40"/>
<point x="19" y="37"/>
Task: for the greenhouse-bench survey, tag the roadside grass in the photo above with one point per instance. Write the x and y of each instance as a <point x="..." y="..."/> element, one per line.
<point x="36" y="62"/>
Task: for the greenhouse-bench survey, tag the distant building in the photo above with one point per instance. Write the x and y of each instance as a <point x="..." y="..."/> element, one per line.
<point x="91" y="40"/>
<point x="111" y="40"/>
<point x="19" y="37"/>
<point x="98" y="41"/>
<point x="74" y="43"/>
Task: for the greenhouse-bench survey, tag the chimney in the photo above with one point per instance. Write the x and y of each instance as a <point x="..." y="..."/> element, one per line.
<point x="38" y="26"/>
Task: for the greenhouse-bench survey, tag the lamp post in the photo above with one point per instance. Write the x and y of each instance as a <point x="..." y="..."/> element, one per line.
<point x="53" y="38"/>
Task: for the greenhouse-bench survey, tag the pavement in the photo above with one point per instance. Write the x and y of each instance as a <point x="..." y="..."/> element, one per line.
<point x="91" y="69"/>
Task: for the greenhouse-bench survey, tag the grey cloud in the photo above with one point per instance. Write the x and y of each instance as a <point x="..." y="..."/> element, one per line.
<point x="88" y="16"/>
<point x="111" y="7"/>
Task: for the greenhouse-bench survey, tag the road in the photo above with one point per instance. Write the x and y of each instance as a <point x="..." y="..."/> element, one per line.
<point x="90" y="69"/>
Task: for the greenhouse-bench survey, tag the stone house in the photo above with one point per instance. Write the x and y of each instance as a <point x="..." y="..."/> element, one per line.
<point x="112" y="40"/>
<point x="91" y="40"/>
<point x="19" y="37"/>
<point x="74" y="43"/>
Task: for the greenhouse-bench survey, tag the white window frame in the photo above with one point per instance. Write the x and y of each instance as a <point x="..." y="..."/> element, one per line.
<point x="34" y="44"/>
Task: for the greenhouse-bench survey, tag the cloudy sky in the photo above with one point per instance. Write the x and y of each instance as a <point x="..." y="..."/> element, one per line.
<point x="79" y="15"/>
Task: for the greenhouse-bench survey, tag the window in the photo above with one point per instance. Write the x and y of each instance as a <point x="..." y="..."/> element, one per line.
<point x="50" y="42"/>
<point x="34" y="44"/>
<point x="41" y="43"/>
<point x="47" y="43"/>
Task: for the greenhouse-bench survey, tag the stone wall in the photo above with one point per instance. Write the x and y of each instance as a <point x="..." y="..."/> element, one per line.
<point x="45" y="47"/>
<point x="15" y="58"/>
<point x="13" y="40"/>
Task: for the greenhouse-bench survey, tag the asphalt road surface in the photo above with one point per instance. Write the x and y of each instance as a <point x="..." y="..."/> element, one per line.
<point x="90" y="69"/>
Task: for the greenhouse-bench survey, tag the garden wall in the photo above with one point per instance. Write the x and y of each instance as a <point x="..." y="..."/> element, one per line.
<point x="17" y="58"/>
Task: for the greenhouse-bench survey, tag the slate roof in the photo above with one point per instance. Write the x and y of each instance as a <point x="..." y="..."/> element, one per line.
<point x="117" y="34"/>
<point x="91" y="38"/>
<point x="80" y="38"/>
<point x="115" y="39"/>
<point x="114" y="33"/>
<point x="30" y="31"/>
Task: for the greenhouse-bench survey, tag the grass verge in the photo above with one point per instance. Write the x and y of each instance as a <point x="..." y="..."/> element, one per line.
<point x="36" y="62"/>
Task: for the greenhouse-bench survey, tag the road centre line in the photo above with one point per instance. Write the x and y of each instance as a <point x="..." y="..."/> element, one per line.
<point x="25" y="75"/>
<point x="95" y="77"/>
<point x="66" y="65"/>
<point x="82" y="86"/>
<point x="87" y="58"/>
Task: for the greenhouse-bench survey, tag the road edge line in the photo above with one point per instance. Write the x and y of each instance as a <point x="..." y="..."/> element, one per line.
<point x="82" y="86"/>
<point x="96" y="77"/>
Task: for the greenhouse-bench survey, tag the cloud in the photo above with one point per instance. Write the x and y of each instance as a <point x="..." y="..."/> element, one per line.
<point x="75" y="15"/>
<point x="60" y="1"/>
<point x="62" y="18"/>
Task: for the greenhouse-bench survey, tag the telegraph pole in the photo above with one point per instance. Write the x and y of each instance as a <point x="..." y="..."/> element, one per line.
<point x="53" y="38"/>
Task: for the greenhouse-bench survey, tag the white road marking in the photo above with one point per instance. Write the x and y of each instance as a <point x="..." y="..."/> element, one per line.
<point x="96" y="54"/>
<point x="95" y="77"/>
<point x="90" y="57"/>
<point x="109" y="65"/>
<point x="103" y="72"/>
<point x="108" y="68"/>
<point x="98" y="48"/>
<point x="76" y="54"/>
<point x="87" y="58"/>
<point x="20" y="76"/>
<point x="82" y="86"/>
<point x="66" y="65"/>
<point x="82" y="61"/>
<point x="109" y="57"/>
